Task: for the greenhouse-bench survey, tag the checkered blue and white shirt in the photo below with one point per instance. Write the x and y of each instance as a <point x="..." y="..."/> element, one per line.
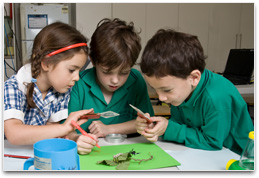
<point x="53" y="108"/>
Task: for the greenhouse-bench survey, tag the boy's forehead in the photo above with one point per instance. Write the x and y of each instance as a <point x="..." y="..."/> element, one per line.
<point x="116" y="69"/>
<point x="162" y="82"/>
<point x="155" y="81"/>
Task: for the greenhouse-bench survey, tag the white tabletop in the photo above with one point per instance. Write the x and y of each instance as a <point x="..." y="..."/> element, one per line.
<point x="245" y="89"/>
<point x="16" y="164"/>
<point x="191" y="159"/>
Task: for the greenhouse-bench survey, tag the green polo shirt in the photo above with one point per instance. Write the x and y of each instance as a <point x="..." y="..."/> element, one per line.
<point x="86" y="94"/>
<point x="215" y="116"/>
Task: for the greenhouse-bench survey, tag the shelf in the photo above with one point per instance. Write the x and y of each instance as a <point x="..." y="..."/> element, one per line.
<point x="8" y="57"/>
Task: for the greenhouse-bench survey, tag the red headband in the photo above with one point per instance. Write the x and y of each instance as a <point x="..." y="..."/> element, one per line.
<point x="66" y="48"/>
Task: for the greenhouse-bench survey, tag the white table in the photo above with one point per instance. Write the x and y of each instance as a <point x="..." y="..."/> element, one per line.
<point x="174" y="149"/>
<point x="16" y="164"/>
<point x="245" y="89"/>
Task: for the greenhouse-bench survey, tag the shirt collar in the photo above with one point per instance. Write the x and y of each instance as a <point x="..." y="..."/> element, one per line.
<point x="90" y="79"/>
<point x="205" y="76"/>
<point x="23" y="77"/>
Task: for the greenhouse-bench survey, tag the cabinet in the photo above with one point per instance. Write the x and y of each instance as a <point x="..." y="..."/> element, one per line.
<point x="219" y="26"/>
<point x="229" y="25"/>
<point x="133" y="12"/>
<point x="247" y="26"/>
<point x="161" y="15"/>
<point x="89" y="14"/>
<point x="194" y="19"/>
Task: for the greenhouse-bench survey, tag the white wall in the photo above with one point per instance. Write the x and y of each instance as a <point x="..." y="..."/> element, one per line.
<point x="217" y="25"/>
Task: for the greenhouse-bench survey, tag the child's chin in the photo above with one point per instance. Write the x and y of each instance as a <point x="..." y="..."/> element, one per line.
<point x="111" y="89"/>
<point x="63" y="90"/>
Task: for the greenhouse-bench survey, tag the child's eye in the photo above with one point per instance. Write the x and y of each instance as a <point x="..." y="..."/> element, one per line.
<point x="126" y="72"/>
<point x="167" y="91"/>
<point x="106" y="72"/>
<point x="71" y="71"/>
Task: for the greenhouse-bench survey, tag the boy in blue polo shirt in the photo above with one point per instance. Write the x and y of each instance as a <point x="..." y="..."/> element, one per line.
<point x="207" y="111"/>
<point x="112" y="84"/>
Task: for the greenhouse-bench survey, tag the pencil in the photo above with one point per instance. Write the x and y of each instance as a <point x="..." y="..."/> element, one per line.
<point x="16" y="156"/>
<point x="83" y="132"/>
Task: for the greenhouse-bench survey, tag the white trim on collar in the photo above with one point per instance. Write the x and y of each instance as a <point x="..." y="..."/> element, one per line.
<point x="24" y="76"/>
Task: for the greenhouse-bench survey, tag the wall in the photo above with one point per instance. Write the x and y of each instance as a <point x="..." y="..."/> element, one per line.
<point x="217" y="25"/>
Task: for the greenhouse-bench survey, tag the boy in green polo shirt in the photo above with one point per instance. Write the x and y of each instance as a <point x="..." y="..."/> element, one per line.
<point x="207" y="111"/>
<point x="112" y="84"/>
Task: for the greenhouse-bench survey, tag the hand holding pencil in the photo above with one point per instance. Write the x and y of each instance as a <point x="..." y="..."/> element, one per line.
<point x="83" y="132"/>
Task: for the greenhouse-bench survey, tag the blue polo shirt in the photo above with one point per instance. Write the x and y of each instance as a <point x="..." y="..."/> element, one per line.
<point x="86" y="94"/>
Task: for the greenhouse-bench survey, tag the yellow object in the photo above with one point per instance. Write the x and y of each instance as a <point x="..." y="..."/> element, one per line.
<point x="230" y="162"/>
<point x="251" y="135"/>
<point x="10" y="51"/>
<point x="246" y="161"/>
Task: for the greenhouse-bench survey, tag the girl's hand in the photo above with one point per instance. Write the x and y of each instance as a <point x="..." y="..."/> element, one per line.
<point x="99" y="129"/>
<point x="85" y="144"/>
<point x="159" y="129"/>
<point x="76" y="117"/>
<point x="141" y="124"/>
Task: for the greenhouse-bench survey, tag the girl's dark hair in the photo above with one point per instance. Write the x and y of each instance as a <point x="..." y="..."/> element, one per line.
<point x="52" y="37"/>
<point x="114" y="43"/>
<point x="172" y="53"/>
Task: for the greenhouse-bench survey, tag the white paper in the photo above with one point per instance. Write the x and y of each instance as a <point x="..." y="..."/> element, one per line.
<point x="199" y="160"/>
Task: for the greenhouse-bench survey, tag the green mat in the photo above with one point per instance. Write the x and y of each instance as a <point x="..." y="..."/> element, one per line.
<point x="160" y="158"/>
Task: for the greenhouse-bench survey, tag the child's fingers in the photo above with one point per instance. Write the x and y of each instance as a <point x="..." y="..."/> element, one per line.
<point x="84" y="148"/>
<point x="86" y="111"/>
<point x="157" y="119"/>
<point x="76" y="116"/>
<point x="83" y="151"/>
<point x="93" y="130"/>
<point x="141" y="120"/>
<point x="93" y="127"/>
<point x="152" y="131"/>
<point x="86" y="142"/>
<point x="150" y="137"/>
<point x="140" y="126"/>
<point x="147" y="114"/>
<point x="140" y="129"/>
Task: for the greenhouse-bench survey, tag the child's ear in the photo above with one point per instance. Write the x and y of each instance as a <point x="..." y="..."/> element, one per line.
<point x="195" y="77"/>
<point x="44" y="66"/>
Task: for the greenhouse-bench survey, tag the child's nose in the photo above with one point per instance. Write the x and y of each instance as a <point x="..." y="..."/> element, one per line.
<point x="76" y="77"/>
<point x="162" y="97"/>
<point x="115" y="79"/>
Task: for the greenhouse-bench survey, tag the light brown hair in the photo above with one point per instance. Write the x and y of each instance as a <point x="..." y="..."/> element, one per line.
<point x="114" y="43"/>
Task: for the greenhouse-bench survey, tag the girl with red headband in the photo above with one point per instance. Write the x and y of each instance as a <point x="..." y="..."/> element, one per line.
<point x="36" y="98"/>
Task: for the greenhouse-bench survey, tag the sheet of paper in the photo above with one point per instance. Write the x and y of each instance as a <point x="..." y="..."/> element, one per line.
<point x="161" y="158"/>
<point x="199" y="160"/>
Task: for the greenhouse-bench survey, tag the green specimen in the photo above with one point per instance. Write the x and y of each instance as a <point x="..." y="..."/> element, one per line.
<point x="122" y="160"/>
